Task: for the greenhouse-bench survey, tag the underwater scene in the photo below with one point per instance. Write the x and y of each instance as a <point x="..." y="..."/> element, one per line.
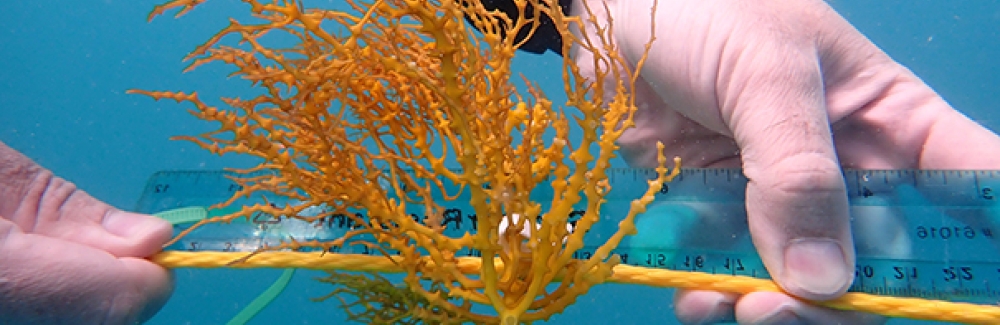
<point x="443" y="161"/>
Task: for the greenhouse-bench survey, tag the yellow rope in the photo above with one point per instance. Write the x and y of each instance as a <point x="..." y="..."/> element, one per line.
<point x="884" y="305"/>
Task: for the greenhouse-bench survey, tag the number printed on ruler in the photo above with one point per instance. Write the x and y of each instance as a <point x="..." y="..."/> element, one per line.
<point x="941" y="225"/>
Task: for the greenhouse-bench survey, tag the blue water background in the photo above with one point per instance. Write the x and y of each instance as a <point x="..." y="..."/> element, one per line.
<point x="65" y="66"/>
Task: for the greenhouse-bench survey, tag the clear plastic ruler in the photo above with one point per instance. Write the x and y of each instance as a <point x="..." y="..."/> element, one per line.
<point x="929" y="234"/>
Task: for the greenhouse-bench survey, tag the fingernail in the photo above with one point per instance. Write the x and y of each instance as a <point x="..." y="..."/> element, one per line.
<point x="782" y="316"/>
<point x="816" y="268"/>
<point x="133" y="225"/>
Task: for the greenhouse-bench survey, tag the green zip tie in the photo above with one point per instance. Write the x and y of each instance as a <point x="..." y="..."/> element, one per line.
<point x="263" y="299"/>
<point x="183" y="215"/>
<point x="195" y="214"/>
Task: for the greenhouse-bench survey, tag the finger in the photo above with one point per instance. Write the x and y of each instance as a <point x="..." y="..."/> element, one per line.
<point x="796" y="198"/>
<point x="753" y="72"/>
<point x="56" y="208"/>
<point x="53" y="281"/>
<point x="974" y="147"/>
<point x="775" y="308"/>
<point x="704" y="307"/>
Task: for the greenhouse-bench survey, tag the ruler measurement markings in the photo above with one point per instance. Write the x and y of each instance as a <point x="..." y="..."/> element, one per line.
<point x="978" y="187"/>
<point x="195" y="188"/>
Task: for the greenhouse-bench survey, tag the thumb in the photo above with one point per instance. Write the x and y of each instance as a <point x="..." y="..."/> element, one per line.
<point x="798" y="217"/>
<point x="53" y="281"/>
<point x="53" y="207"/>
<point x="796" y="199"/>
<point x="38" y="202"/>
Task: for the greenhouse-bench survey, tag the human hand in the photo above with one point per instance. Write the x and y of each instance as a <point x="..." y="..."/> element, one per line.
<point x="67" y="258"/>
<point x="791" y="92"/>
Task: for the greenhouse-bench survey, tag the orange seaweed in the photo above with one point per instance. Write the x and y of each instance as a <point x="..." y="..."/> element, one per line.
<point x="371" y="118"/>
